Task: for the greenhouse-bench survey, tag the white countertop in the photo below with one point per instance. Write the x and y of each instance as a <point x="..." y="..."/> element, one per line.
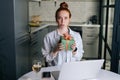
<point x="45" y="24"/>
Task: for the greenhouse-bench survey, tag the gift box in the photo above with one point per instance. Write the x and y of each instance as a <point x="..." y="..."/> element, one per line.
<point x="67" y="42"/>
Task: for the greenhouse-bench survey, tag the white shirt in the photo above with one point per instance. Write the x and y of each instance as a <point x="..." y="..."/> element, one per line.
<point x="50" y="42"/>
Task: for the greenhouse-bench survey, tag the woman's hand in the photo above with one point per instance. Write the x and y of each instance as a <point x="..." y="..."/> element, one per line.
<point x="74" y="48"/>
<point x="58" y="48"/>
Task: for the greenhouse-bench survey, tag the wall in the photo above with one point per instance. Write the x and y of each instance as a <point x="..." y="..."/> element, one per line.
<point x="81" y="9"/>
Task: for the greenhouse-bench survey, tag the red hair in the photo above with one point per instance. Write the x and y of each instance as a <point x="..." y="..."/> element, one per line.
<point x="63" y="7"/>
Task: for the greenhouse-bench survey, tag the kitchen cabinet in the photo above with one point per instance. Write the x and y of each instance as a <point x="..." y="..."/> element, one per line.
<point x="22" y="55"/>
<point x="33" y="45"/>
<point x="90" y="36"/>
<point x="36" y="43"/>
<point x="37" y="35"/>
<point x="13" y="36"/>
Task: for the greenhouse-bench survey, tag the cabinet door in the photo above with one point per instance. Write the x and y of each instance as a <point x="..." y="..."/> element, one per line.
<point x="90" y="49"/>
<point x="90" y="29"/>
<point x="41" y="36"/>
<point x="90" y="33"/>
<point x="90" y="38"/>
<point x="37" y="42"/>
<point x="34" y="45"/>
<point x="22" y="55"/>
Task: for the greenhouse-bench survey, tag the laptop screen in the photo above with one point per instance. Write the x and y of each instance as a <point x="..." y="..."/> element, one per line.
<point x="87" y="69"/>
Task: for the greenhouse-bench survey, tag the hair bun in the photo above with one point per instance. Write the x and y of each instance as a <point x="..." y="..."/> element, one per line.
<point x="63" y="5"/>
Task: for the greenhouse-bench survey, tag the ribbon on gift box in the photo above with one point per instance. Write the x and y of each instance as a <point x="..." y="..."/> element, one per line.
<point x="67" y="41"/>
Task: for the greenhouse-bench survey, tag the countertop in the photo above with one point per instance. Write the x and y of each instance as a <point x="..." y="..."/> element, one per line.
<point x="45" y="24"/>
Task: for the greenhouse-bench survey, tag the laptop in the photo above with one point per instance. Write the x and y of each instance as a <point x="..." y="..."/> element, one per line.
<point x="81" y="70"/>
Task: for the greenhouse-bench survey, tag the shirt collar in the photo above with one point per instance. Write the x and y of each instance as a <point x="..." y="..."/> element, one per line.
<point x="70" y="31"/>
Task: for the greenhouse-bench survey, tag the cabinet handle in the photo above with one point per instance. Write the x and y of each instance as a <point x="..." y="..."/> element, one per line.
<point x="89" y="43"/>
<point x="90" y="27"/>
<point x="91" y="35"/>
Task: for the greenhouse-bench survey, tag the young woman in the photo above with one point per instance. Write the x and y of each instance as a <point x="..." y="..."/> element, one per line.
<point x="53" y="50"/>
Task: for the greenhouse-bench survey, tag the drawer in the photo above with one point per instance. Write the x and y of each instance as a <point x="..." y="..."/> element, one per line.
<point x="90" y="43"/>
<point x="87" y="36"/>
<point x="90" y="49"/>
<point x="90" y="52"/>
<point x="90" y="29"/>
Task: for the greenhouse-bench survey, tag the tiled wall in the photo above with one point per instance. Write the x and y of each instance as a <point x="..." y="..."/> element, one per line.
<point x="81" y="10"/>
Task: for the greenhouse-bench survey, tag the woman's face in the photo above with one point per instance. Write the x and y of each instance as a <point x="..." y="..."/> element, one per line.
<point x="63" y="19"/>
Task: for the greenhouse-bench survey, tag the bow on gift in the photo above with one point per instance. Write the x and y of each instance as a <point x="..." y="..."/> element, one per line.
<point x="67" y="36"/>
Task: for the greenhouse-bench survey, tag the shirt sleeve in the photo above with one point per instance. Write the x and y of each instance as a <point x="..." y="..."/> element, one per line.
<point x="47" y="49"/>
<point x="79" y="44"/>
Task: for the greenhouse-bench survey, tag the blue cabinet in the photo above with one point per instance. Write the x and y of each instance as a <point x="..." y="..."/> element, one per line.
<point x="14" y="20"/>
<point x="22" y="55"/>
<point x="36" y="42"/>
